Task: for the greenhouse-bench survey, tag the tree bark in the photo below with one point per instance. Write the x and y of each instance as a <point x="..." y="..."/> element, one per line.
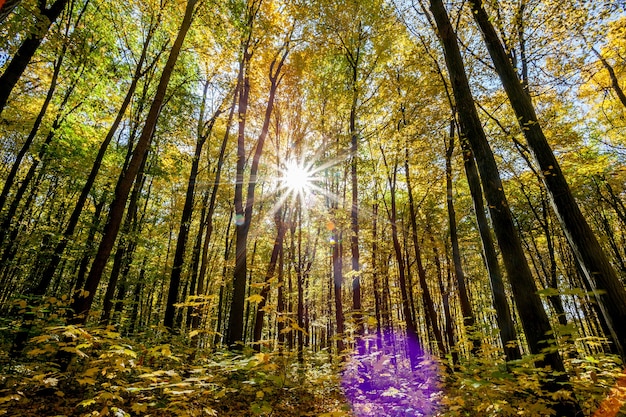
<point x="27" y="49"/>
<point x="411" y="330"/>
<point x="83" y="301"/>
<point x="466" y="308"/>
<point x="50" y="270"/>
<point x="429" y="306"/>
<point x="599" y="272"/>
<point x="185" y="222"/>
<point x="243" y="216"/>
<point x="506" y="326"/>
<point x="271" y="270"/>
<point x="534" y="318"/>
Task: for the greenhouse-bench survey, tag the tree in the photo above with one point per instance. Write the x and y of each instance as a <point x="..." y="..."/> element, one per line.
<point x="244" y="209"/>
<point x="594" y="262"/>
<point x="17" y="66"/>
<point x="83" y="301"/>
<point x="534" y="318"/>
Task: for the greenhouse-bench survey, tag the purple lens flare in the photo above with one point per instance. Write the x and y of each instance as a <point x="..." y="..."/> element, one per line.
<point x="378" y="379"/>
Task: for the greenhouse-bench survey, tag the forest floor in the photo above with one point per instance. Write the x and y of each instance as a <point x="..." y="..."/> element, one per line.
<point x="110" y="375"/>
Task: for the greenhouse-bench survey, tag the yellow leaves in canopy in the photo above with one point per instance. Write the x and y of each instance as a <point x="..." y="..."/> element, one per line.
<point x="255" y="298"/>
<point x="599" y="90"/>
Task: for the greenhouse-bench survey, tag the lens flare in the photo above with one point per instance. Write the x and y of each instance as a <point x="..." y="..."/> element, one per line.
<point x="297" y="178"/>
<point x="379" y="381"/>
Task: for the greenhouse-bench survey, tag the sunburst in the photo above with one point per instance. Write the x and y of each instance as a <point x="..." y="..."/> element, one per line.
<point x="297" y="178"/>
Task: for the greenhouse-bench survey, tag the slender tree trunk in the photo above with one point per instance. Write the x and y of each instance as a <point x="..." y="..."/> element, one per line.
<point x="50" y="270"/>
<point x="375" y="276"/>
<point x="82" y="303"/>
<point x="89" y="247"/>
<point x="617" y="88"/>
<point x="27" y="49"/>
<point x="134" y="315"/>
<point x="506" y="326"/>
<point x="33" y="131"/>
<point x="466" y="308"/>
<point x="404" y="291"/>
<point x="271" y="271"/>
<point x="338" y="284"/>
<point x="185" y="222"/>
<point x="354" y="211"/>
<point x="444" y="289"/>
<point x="534" y="318"/>
<point x="125" y="246"/>
<point x="243" y="215"/>
<point x="280" y="302"/>
<point x="599" y="272"/>
<point x="8" y="218"/>
<point x="429" y="306"/>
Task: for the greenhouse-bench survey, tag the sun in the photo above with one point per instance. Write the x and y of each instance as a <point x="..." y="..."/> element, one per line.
<point x="297" y="178"/>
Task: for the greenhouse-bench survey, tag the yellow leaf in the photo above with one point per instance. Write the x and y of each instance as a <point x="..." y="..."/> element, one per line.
<point x="86" y="403"/>
<point x="139" y="407"/>
<point x="255" y="298"/>
<point x="83" y="381"/>
<point x="91" y="372"/>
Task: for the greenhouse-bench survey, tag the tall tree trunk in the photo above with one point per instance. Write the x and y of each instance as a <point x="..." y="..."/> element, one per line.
<point x="212" y="204"/>
<point x="82" y="302"/>
<point x="125" y="246"/>
<point x="59" y="119"/>
<point x="466" y="308"/>
<point x="271" y="270"/>
<point x="375" y="276"/>
<point x="89" y="247"/>
<point x="337" y="277"/>
<point x="185" y="220"/>
<point x="220" y="306"/>
<point x="599" y="272"/>
<point x="354" y="211"/>
<point x="35" y="128"/>
<point x="506" y="326"/>
<point x="429" y="306"/>
<point x="617" y="88"/>
<point x="27" y="49"/>
<point x="50" y="270"/>
<point x="534" y="318"/>
<point x="243" y="216"/>
<point x="411" y="330"/>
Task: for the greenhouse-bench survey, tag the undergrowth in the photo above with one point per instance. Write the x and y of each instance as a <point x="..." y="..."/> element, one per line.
<point x="157" y="374"/>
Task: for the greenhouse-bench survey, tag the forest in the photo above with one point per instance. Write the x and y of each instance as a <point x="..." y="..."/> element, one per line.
<point x="336" y="208"/>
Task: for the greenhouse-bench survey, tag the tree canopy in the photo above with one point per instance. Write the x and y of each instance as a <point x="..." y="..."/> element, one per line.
<point x="291" y="207"/>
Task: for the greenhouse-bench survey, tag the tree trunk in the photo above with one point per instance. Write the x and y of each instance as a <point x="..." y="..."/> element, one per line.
<point x="411" y="331"/>
<point x="82" y="302"/>
<point x="466" y="307"/>
<point x="338" y="283"/>
<point x="126" y="245"/>
<point x="27" y="49"/>
<point x="91" y="178"/>
<point x="33" y="131"/>
<point x="429" y="306"/>
<point x="375" y="276"/>
<point x="506" y="326"/>
<point x="244" y="214"/>
<point x="599" y="272"/>
<point x="185" y="221"/>
<point x="534" y="318"/>
<point x="271" y="270"/>
<point x="617" y="88"/>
